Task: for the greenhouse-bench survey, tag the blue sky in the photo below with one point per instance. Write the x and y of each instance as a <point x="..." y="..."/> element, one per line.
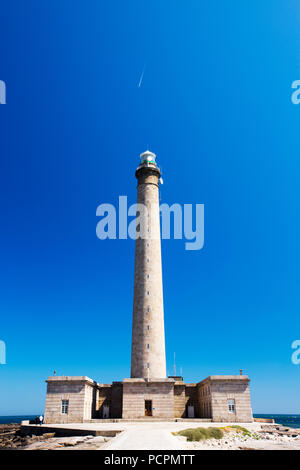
<point x="215" y="106"/>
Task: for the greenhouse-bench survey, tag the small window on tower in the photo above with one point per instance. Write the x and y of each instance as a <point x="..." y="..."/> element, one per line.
<point x="148" y="365"/>
<point x="147" y="260"/>
<point x="148" y="276"/>
<point x="148" y="346"/>
<point x="148" y="292"/>
<point x="148" y="327"/>
<point x="148" y="309"/>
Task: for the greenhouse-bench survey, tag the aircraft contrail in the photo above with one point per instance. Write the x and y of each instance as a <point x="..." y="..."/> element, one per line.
<point x="142" y="76"/>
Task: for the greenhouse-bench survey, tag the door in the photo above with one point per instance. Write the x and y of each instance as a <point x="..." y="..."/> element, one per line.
<point x="191" y="412"/>
<point x="148" y="408"/>
<point x="105" y="411"/>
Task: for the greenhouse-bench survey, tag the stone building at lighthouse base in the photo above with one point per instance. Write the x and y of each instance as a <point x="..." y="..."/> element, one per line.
<point x="219" y="398"/>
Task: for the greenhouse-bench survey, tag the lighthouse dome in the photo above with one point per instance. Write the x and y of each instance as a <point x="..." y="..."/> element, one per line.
<point x="148" y="157"/>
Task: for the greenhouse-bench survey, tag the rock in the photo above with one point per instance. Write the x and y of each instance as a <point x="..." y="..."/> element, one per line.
<point x="48" y="435"/>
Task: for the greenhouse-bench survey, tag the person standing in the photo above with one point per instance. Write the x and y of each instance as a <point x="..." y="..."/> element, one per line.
<point x="41" y="420"/>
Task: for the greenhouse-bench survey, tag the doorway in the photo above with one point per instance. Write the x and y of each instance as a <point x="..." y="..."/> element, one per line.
<point x="148" y="407"/>
<point x="105" y="413"/>
<point x="191" y="411"/>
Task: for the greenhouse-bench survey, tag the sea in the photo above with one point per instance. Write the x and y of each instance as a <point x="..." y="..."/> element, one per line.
<point x="16" y="419"/>
<point x="291" y="421"/>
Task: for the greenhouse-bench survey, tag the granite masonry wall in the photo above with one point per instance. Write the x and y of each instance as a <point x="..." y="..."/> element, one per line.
<point x="179" y="400"/>
<point x="204" y="400"/>
<point x="185" y="395"/>
<point x="215" y="392"/>
<point x="160" y="392"/>
<point x="81" y="394"/>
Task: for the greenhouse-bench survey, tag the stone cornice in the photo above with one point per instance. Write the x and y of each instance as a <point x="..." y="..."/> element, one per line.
<point x="71" y="378"/>
<point x="227" y="378"/>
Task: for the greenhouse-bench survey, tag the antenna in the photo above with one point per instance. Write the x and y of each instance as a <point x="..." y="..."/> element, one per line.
<point x="174" y="365"/>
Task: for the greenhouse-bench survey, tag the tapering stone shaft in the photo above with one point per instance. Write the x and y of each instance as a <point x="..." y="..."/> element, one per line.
<point x="148" y="337"/>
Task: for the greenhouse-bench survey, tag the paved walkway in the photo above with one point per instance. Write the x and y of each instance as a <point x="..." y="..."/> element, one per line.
<point x="145" y="439"/>
<point x="156" y="436"/>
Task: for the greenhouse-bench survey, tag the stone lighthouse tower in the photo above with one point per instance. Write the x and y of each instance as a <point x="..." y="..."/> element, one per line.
<point x="148" y="359"/>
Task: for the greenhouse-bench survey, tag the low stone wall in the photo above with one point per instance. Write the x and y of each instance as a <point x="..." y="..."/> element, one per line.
<point x="36" y="430"/>
<point x="264" y="420"/>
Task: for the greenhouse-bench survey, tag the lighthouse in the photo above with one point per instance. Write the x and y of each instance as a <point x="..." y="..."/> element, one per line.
<point x="148" y="358"/>
<point x="148" y="392"/>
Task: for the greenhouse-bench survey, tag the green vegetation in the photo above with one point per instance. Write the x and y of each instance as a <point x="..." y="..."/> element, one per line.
<point x="200" y="434"/>
<point x="238" y="429"/>
<point x="245" y="431"/>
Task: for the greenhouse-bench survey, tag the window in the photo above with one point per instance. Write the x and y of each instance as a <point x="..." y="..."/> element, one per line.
<point x="148" y="292"/>
<point x="65" y="407"/>
<point x="148" y="276"/>
<point x="147" y="260"/>
<point x="148" y="346"/>
<point x="231" y="406"/>
<point x="148" y="327"/>
<point x="148" y="365"/>
<point x="148" y="309"/>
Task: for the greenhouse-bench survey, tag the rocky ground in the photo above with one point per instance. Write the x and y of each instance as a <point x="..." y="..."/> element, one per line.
<point x="10" y="439"/>
<point x="268" y="438"/>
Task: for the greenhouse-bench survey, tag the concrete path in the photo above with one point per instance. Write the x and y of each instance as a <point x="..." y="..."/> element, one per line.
<point x="155" y="436"/>
<point x="145" y="439"/>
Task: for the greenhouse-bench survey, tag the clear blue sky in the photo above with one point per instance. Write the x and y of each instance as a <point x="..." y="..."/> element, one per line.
<point x="215" y="107"/>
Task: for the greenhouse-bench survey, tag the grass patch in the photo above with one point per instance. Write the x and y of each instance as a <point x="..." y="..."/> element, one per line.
<point x="244" y="431"/>
<point x="200" y="434"/>
<point x="238" y="429"/>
